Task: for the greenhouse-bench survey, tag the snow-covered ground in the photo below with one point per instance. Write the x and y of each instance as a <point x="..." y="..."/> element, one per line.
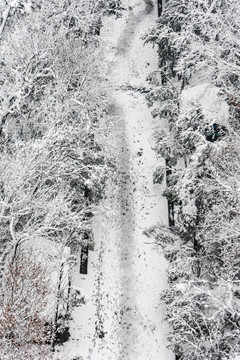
<point x="124" y="316"/>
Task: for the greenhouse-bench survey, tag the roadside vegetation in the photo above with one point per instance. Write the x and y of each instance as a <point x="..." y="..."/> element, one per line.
<point x="197" y="96"/>
<point x="52" y="167"/>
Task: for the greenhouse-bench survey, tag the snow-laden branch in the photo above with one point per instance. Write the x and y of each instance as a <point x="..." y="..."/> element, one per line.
<point x="4" y="19"/>
<point x="214" y="3"/>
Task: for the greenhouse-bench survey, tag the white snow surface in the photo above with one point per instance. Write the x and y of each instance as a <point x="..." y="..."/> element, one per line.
<point x="124" y="315"/>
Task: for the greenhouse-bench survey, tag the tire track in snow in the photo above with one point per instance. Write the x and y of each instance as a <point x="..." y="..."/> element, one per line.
<point x="127" y="332"/>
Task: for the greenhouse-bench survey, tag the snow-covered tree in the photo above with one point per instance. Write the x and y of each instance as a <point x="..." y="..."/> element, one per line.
<point x="194" y="36"/>
<point x="204" y="320"/>
<point x="197" y="100"/>
<point x="53" y="98"/>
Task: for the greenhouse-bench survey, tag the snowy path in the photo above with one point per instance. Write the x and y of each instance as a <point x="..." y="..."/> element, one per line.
<point x="124" y="317"/>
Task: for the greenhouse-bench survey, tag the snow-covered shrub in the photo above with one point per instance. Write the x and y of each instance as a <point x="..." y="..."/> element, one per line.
<point x="25" y="291"/>
<point x="159" y="175"/>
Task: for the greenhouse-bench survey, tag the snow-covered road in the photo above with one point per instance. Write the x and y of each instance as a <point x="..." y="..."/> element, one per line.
<point x="124" y="317"/>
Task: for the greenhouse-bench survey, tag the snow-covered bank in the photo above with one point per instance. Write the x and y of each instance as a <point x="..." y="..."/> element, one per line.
<point x="124" y="317"/>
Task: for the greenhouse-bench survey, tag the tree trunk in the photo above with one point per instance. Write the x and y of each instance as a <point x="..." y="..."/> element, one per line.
<point x="171" y="221"/>
<point x="58" y="297"/>
<point x="160" y="7"/>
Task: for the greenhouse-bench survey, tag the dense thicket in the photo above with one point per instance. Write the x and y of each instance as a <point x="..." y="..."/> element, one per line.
<point x="52" y="98"/>
<point x="198" y="99"/>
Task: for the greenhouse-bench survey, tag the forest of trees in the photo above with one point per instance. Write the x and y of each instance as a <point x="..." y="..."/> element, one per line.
<point x="52" y="168"/>
<point x="199" y="52"/>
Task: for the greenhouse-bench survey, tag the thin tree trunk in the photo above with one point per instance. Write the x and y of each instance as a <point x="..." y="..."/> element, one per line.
<point x="160" y="7"/>
<point x="58" y="297"/>
<point x="171" y="221"/>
